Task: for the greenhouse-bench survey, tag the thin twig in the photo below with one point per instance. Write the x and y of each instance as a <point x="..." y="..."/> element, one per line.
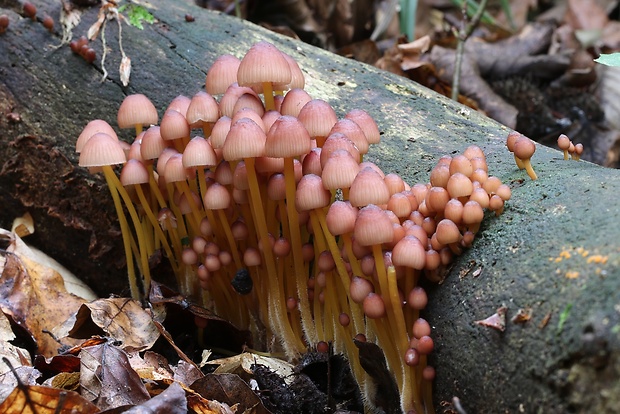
<point x="456" y="403"/>
<point x="104" y="53"/>
<point x="120" y="36"/>
<point x="462" y="36"/>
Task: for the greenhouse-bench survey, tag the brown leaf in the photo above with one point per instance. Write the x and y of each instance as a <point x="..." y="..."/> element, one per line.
<point x="152" y="366"/>
<point x="242" y="365"/>
<point x="170" y="401"/>
<point x="229" y="389"/>
<point x="17" y="357"/>
<point x="363" y="51"/>
<point x="35" y="298"/>
<point x="121" y="318"/>
<point x="59" y="363"/>
<point x="496" y="321"/>
<point x="186" y="373"/>
<point x="522" y="315"/>
<point x="200" y="405"/>
<point x="35" y="399"/>
<point x="107" y="378"/>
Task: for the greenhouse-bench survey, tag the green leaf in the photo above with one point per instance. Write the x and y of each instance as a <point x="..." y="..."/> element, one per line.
<point x="563" y="318"/>
<point x="137" y="14"/>
<point x="611" y="59"/>
<point x="472" y="8"/>
<point x="408" y="9"/>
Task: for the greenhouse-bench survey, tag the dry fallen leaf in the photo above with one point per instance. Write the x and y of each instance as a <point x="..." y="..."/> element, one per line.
<point x="151" y="366"/>
<point x="229" y="389"/>
<point x="35" y="297"/>
<point x="125" y="70"/>
<point x="200" y="405"/>
<point x="496" y="321"/>
<point x="242" y="365"/>
<point x="58" y="363"/>
<point x="106" y="377"/>
<point x="121" y="318"/>
<point x="27" y="376"/>
<point x="35" y="399"/>
<point x="171" y="401"/>
<point x="186" y="373"/>
<point x="16" y="356"/>
<point x="13" y="238"/>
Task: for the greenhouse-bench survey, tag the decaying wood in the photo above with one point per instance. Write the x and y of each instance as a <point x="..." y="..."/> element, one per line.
<point x="554" y="251"/>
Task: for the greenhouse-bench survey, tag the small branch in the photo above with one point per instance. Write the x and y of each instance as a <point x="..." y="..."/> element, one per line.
<point x="104" y="52"/>
<point x="462" y="36"/>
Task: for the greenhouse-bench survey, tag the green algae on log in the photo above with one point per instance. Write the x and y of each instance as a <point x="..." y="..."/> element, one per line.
<point x="555" y="249"/>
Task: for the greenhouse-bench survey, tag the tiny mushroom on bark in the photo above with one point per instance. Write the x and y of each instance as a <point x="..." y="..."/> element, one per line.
<point x="524" y="149"/>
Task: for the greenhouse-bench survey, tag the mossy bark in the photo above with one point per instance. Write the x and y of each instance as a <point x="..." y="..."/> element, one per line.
<point x="555" y="249"/>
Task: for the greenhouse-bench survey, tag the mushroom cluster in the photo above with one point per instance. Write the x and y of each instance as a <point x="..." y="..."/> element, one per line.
<point x="567" y="146"/>
<point x="269" y="214"/>
<point x="82" y="48"/>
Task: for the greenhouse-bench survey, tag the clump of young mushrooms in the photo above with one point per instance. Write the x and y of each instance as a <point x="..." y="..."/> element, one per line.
<point x="263" y="205"/>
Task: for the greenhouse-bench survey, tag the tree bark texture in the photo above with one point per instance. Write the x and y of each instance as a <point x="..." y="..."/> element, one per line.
<point x="555" y="250"/>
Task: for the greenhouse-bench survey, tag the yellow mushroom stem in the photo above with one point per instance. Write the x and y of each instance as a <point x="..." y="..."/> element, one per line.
<point x="181" y="229"/>
<point x="155" y="191"/>
<point x="268" y="94"/>
<point x="144" y="260"/>
<point x="409" y="395"/>
<point x="157" y="228"/>
<point x="385" y="331"/>
<point x="411" y="281"/>
<point x="349" y="307"/>
<point x="382" y="276"/>
<point x="293" y="346"/>
<point x="125" y="232"/>
<point x="348" y="246"/>
<point x="353" y="309"/>
<point x="207" y="128"/>
<point x="519" y="162"/>
<point x="298" y="261"/>
<point x="330" y="305"/>
<point x="530" y="170"/>
<point x="196" y="216"/>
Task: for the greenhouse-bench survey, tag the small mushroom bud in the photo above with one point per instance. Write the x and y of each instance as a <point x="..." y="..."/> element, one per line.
<point x="4" y="23"/>
<point x="30" y="10"/>
<point x="524" y="148"/>
<point x="578" y="151"/>
<point x="513" y="136"/>
<point x="48" y="23"/>
<point x="564" y="144"/>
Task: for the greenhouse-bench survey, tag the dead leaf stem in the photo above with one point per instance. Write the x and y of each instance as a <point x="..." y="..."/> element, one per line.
<point x="462" y="36"/>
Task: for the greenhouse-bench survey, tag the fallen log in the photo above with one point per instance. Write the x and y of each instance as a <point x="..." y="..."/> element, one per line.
<point x="554" y="252"/>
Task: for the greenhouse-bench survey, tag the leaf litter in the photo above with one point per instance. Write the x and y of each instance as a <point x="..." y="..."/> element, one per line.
<point x="63" y="353"/>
